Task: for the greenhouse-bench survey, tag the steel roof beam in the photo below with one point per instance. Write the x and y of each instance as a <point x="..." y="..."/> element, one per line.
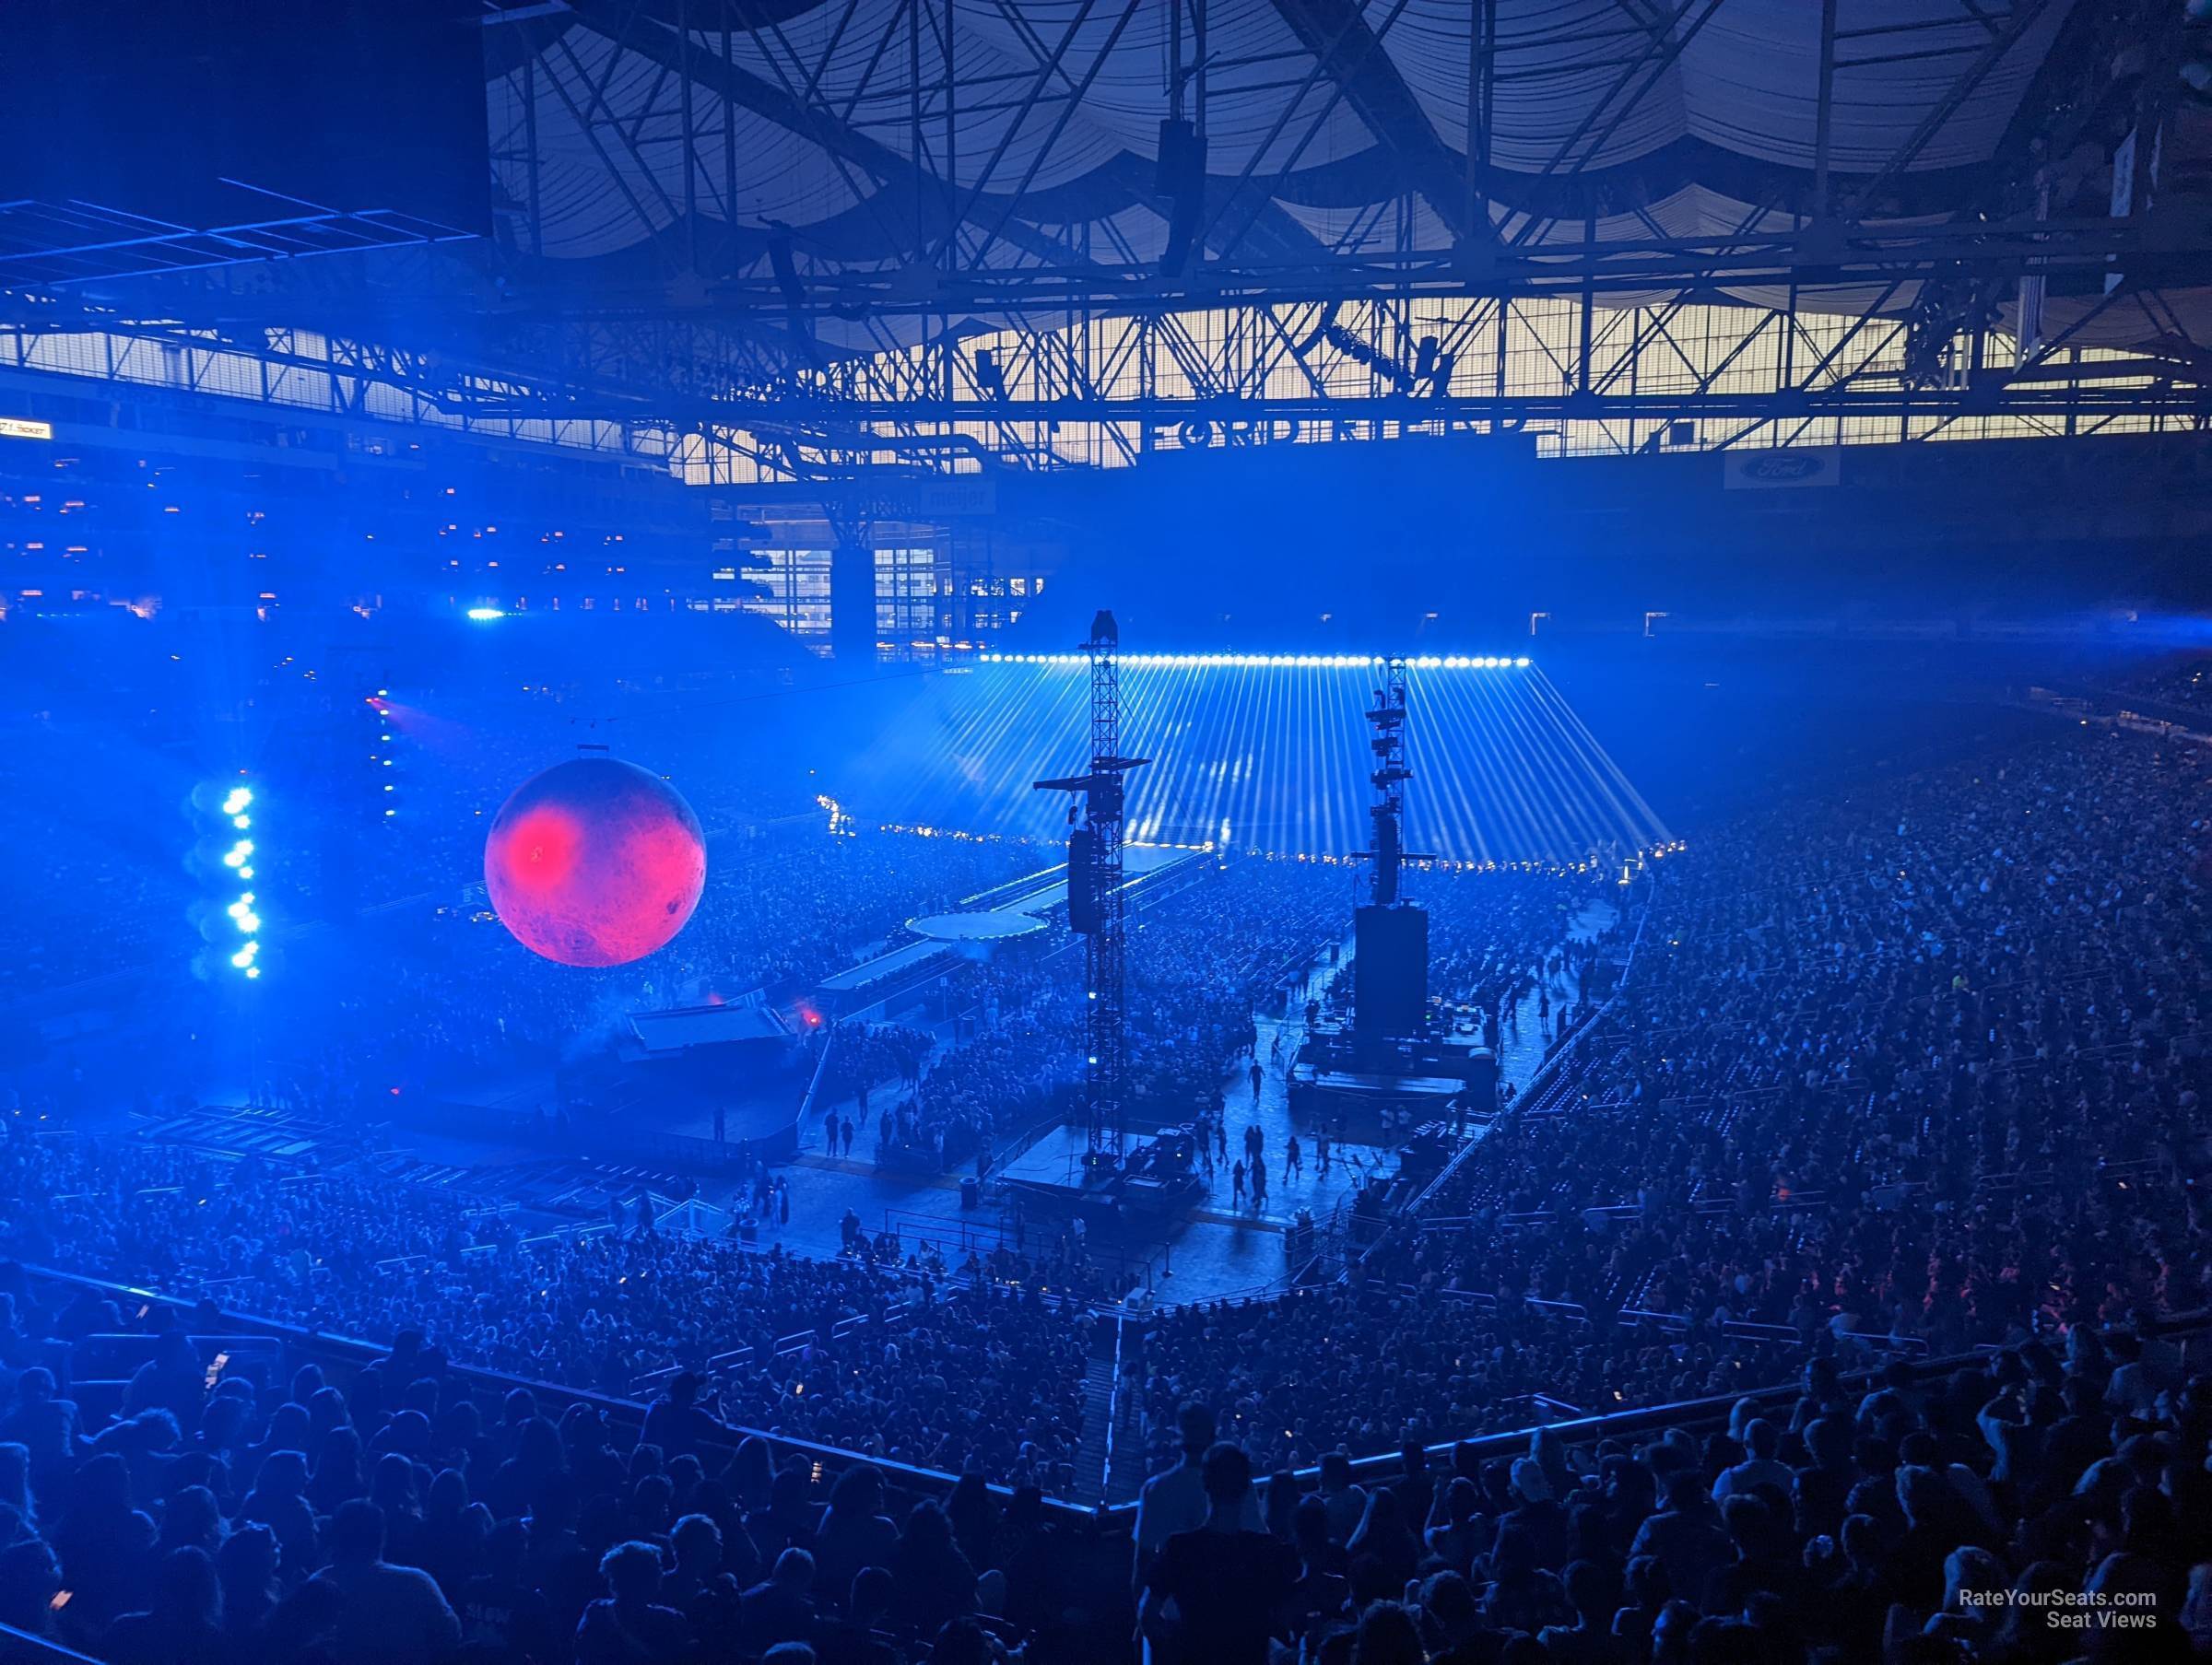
<point x="902" y="180"/>
<point x="1352" y="54"/>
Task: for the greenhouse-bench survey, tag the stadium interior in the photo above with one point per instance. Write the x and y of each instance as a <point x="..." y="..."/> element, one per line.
<point x="1106" y="832"/>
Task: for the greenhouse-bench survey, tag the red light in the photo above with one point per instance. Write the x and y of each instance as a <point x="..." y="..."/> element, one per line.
<point x="595" y="863"/>
<point x="541" y="849"/>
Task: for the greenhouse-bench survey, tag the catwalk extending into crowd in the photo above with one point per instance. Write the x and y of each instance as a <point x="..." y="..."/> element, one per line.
<point x="1895" y="1118"/>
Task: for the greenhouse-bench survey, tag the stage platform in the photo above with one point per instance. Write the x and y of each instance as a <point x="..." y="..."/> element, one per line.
<point x="1405" y="1086"/>
<point x="505" y="1131"/>
<point x="1020" y="908"/>
<point x="660" y="1034"/>
<point x="975" y="927"/>
<point x="606" y="1100"/>
<point x="866" y="981"/>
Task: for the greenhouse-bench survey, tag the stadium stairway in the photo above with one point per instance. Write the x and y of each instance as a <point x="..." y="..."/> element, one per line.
<point x="1098" y="1412"/>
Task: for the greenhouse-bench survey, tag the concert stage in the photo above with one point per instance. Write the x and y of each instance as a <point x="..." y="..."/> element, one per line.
<point x="1412" y="1094"/>
<point x="1018" y="909"/>
<point x="975" y="927"/>
<point x="1154" y="1187"/>
<point x="693" y="1086"/>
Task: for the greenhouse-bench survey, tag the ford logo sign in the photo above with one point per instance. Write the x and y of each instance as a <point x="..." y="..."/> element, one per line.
<point x="1781" y="466"/>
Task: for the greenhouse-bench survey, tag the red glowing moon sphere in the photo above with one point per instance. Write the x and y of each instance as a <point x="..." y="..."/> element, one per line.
<point x="595" y="863"/>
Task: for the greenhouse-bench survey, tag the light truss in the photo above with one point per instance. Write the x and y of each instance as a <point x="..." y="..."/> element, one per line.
<point x="58" y="245"/>
<point x="1578" y="375"/>
<point x="963" y="319"/>
<point x="1818" y="255"/>
<point x="1509" y="774"/>
<point x="1575" y="376"/>
<point x="959" y="319"/>
<point x="1249" y="661"/>
<point x="933" y="234"/>
<point x="295" y="374"/>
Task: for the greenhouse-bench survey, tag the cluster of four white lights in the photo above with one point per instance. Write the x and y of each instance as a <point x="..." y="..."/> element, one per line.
<point x="237" y="858"/>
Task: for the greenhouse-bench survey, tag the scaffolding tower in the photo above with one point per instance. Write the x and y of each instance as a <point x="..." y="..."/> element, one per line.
<point x="1095" y="901"/>
<point x="1387" y="811"/>
<point x="1390" y="951"/>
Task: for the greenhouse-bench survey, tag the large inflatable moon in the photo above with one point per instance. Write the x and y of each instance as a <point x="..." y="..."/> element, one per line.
<point x="595" y="863"/>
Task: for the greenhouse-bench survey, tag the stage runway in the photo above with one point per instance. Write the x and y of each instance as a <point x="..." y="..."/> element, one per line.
<point x="1222" y="1250"/>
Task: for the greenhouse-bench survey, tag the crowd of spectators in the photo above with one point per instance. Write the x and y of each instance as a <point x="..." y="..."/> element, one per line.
<point x="1216" y="942"/>
<point x="864" y="1356"/>
<point x="1893" y="1075"/>
<point x="1231" y="940"/>
<point x="1367" y="1366"/>
<point x="1855" y="1082"/>
<point x="777" y="914"/>
<point x="253" y="1513"/>
<point x="1927" y="1064"/>
<point x="2185" y="684"/>
<point x="2038" y="1505"/>
<point x="2035" y="1505"/>
<point x="103" y="898"/>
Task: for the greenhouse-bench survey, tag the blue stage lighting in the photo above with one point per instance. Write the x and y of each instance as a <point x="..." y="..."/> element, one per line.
<point x="1280" y="662"/>
<point x="1509" y="774"/>
<point x="239" y="906"/>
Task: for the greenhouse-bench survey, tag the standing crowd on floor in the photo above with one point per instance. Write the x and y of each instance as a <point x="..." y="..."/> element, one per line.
<point x="1884" y="1079"/>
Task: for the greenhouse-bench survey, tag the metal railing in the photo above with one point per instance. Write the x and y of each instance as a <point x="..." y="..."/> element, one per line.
<point x="1113" y="1412"/>
<point x="814" y="1088"/>
<point x="623" y="1416"/>
<point x="1546" y="1075"/>
<point x="20" y="1647"/>
<point x="626" y="1415"/>
<point x="1694" y="1416"/>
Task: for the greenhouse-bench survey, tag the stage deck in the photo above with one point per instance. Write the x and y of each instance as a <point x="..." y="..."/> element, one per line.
<point x="1020" y="907"/>
<point x="1387" y="1086"/>
<point x="884" y="967"/>
<point x="1220" y="1249"/>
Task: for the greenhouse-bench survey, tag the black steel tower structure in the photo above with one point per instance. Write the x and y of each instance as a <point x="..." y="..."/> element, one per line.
<point x="1390" y="956"/>
<point x="1094" y="894"/>
<point x="1387" y="715"/>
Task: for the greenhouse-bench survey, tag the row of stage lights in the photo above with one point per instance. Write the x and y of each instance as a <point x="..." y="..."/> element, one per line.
<point x="239" y="859"/>
<point x="1557" y="869"/>
<point x="1326" y="662"/>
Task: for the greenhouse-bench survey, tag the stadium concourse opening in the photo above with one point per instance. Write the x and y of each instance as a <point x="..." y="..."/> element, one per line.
<point x="882" y="832"/>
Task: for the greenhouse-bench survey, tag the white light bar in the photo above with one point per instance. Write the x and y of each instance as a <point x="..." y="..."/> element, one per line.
<point x="1323" y="661"/>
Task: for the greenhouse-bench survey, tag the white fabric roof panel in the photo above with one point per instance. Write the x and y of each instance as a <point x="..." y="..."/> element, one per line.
<point x="1748" y="80"/>
<point x="1751" y="81"/>
<point x="1576" y="90"/>
<point x="1559" y="64"/>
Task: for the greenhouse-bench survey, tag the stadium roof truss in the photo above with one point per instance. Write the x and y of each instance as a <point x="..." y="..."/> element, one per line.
<point x="1080" y="231"/>
<point x="854" y="163"/>
<point x="812" y="237"/>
